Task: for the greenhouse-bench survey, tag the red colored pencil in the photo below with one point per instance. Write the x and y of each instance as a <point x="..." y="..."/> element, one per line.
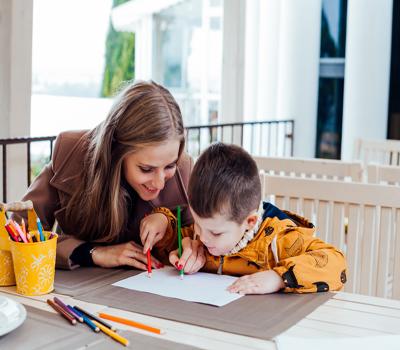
<point x="148" y="263"/>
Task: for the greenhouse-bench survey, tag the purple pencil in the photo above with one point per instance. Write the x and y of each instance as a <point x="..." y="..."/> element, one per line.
<point x="66" y="309"/>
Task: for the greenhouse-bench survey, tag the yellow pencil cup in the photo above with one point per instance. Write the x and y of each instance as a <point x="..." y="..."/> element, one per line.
<point x="7" y="277"/>
<point x="34" y="265"/>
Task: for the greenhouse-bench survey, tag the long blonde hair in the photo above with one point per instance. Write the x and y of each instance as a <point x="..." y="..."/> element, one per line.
<point x="144" y="113"/>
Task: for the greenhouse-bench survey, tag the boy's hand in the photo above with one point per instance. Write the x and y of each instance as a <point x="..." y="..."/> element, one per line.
<point x="192" y="259"/>
<point x="263" y="282"/>
<point x="152" y="229"/>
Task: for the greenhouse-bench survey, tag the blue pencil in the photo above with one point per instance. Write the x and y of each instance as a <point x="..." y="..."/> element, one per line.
<point x="72" y="311"/>
<point x="86" y="320"/>
<point x="40" y="228"/>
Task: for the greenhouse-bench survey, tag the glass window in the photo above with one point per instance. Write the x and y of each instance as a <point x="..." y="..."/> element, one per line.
<point x="331" y="82"/>
<point x="188" y="57"/>
<point x="333" y="28"/>
<point x="329" y="125"/>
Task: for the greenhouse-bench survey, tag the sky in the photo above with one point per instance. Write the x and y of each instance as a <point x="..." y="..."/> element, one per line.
<point x="69" y="40"/>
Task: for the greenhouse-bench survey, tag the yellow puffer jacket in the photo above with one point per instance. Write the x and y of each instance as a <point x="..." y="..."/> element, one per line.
<point x="285" y="243"/>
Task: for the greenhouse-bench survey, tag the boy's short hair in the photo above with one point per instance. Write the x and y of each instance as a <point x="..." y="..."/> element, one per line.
<point x="225" y="181"/>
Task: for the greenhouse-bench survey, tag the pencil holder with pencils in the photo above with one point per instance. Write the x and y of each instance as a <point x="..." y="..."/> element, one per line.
<point x="7" y="277"/>
<point x="33" y="252"/>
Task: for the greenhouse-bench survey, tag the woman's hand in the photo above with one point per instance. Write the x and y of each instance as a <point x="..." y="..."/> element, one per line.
<point x="192" y="259"/>
<point x="152" y="229"/>
<point x="130" y="254"/>
<point x="263" y="282"/>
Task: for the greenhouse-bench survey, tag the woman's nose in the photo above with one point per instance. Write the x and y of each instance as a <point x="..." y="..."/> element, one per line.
<point x="159" y="181"/>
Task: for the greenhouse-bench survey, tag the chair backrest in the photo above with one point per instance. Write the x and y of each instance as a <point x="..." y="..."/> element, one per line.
<point x="384" y="174"/>
<point x="385" y="152"/>
<point x="311" y="168"/>
<point x="363" y="220"/>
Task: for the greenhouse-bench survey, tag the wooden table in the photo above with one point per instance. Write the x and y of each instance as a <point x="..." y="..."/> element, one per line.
<point x="345" y="315"/>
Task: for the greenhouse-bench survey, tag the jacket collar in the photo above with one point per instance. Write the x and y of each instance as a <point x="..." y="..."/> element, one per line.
<point x="68" y="163"/>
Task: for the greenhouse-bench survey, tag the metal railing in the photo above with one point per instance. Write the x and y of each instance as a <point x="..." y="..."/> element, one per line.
<point x="21" y="140"/>
<point x="261" y="138"/>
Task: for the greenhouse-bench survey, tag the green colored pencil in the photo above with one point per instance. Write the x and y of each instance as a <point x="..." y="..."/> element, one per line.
<point x="179" y="237"/>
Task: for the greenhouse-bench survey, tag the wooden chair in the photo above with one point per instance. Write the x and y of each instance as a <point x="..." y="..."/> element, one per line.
<point x="385" y="152"/>
<point x="384" y="174"/>
<point x="311" y="168"/>
<point x="373" y="231"/>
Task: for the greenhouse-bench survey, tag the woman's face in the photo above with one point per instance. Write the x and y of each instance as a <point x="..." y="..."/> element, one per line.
<point x="147" y="169"/>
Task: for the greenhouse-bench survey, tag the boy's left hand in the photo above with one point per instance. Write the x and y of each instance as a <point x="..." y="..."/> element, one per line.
<point x="263" y="282"/>
<point x="152" y="229"/>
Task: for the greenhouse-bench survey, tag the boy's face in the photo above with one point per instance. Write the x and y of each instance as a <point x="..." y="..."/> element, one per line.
<point x="218" y="233"/>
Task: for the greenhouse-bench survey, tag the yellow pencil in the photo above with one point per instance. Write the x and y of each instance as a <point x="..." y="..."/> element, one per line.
<point x="111" y="333"/>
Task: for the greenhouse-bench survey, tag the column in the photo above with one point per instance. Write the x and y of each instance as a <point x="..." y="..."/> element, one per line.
<point x="299" y="48"/>
<point x="15" y="86"/>
<point x="367" y="72"/>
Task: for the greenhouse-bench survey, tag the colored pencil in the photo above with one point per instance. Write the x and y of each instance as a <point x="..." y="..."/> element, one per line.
<point x="93" y="317"/>
<point x="23" y="226"/>
<point x="87" y="320"/>
<point x="181" y="271"/>
<point x="130" y="323"/>
<point x="66" y="309"/>
<point x="15" y="233"/>
<point x="17" y="229"/>
<point x="72" y="311"/>
<point x="40" y="228"/>
<point x="112" y="334"/>
<point x="11" y="233"/>
<point x="148" y="263"/>
<point x="62" y="312"/>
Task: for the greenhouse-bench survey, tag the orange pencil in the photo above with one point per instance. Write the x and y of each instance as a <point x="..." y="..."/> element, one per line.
<point x="130" y="323"/>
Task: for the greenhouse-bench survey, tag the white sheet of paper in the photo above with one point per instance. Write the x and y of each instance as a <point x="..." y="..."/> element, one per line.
<point x="200" y="287"/>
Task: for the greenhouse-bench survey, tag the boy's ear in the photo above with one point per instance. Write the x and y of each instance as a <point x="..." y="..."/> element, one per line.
<point x="251" y="220"/>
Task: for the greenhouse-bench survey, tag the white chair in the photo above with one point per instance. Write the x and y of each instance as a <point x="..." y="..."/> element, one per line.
<point x="311" y="168"/>
<point x="385" y="152"/>
<point x="384" y="174"/>
<point x="373" y="231"/>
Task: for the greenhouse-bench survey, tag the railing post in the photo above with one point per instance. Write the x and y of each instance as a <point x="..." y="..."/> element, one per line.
<point x="28" y="156"/>
<point x="4" y="173"/>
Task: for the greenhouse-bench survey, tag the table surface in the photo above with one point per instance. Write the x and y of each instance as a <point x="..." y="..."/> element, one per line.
<point x="345" y="315"/>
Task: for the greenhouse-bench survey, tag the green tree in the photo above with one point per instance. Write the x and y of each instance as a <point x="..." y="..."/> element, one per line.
<point x="120" y="53"/>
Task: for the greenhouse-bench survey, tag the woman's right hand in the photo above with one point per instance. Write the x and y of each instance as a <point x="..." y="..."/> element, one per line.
<point x="130" y="254"/>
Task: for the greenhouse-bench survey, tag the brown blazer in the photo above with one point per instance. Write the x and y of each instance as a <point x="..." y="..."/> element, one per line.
<point x="53" y="188"/>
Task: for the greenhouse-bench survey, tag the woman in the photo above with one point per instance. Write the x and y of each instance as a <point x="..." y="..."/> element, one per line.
<point x="102" y="184"/>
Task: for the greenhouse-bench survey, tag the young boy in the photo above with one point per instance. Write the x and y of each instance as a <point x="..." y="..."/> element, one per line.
<point x="273" y="250"/>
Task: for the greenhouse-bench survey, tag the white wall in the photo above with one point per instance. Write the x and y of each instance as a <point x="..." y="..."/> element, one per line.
<point x="367" y="72"/>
